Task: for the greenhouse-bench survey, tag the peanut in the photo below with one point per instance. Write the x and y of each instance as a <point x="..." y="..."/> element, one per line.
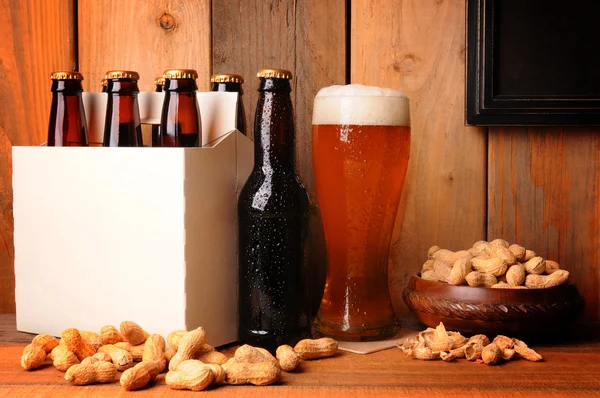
<point x="102" y="356"/>
<point x="459" y="272"/>
<point x="476" y="279"/>
<point x="551" y="266"/>
<point x="558" y="277"/>
<point x="214" y="357"/>
<point x="432" y="251"/>
<point x="431" y="275"/>
<point x="174" y="337"/>
<point x="493" y="266"/>
<point x="65" y="361"/>
<point x="536" y="266"/>
<point x="319" y="348"/>
<point x="505" y="255"/>
<point x="98" y="372"/>
<point x="248" y="354"/>
<point x="57" y="351"/>
<point x="473" y="351"/>
<point x="287" y="357"/>
<point x="503" y="342"/>
<point x="169" y="354"/>
<point x="154" y="350"/>
<point x="491" y="354"/>
<point x="218" y="371"/>
<point x="133" y="333"/>
<point x="481" y="249"/>
<point x="499" y="243"/>
<point x="110" y="335"/>
<point x="524" y="351"/>
<point x="529" y="254"/>
<point x="136" y="351"/>
<point x="90" y="360"/>
<point x="120" y="357"/>
<point x="515" y="276"/>
<point x="33" y="357"/>
<point x="140" y="375"/>
<point x="447" y="356"/>
<point x="502" y="285"/>
<point x="427" y="265"/>
<point x="518" y="251"/>
<point x="451" y="257"/>
<point x="77" y="344"/>
<point x="479" y="339"/>
<point x="260" y="373"/>
<point x="442" y="269"/>
<point x="423" y="352"/>
<point x="190" y="375"/>
<point x="45" y="342"/>
<point x="188" y="345"/>
<point x="92" y="337"/>
<point x="35" y="353"/>
<point x="508" y="354"/>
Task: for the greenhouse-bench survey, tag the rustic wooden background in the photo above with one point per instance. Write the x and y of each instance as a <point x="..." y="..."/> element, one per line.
<point x="535" y="186"/>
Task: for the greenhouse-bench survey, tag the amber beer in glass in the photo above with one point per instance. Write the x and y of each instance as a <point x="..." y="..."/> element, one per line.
<point x="361" y="146"/>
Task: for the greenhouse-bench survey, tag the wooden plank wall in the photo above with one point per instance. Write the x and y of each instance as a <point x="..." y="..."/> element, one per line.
<point x="543" y="183"/>
<point x="543" y="192"/>
<point x="37" y="38"/>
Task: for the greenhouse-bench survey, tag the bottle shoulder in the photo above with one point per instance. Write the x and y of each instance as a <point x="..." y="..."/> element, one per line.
<point x="278" y="192"/>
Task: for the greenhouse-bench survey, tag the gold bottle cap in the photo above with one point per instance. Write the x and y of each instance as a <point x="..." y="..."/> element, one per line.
<point x="104" y="82"/>
<point x="159" y="81"/>
<point x="274" y="73"/>
<point x="66" y="75"/>
<point x="180" y="74"/>
<point x="122" y="74"/>
<point x="226" y="78"/>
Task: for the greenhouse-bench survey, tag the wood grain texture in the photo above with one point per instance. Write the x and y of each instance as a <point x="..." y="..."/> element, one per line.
<point x="543" y="192"/>
<point x="37" y="38"/>
<point x="309" y="39"/>
<point x="145" y="36"/>
<point x="419" y="47"/>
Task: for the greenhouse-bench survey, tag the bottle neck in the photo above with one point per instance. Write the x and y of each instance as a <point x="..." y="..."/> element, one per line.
<point x="122" y="101"/>
<point x="274" y="126"/>
<point x="180" y="85"/>
<point x="228" y="87"/>
<point x="67" y="87"/>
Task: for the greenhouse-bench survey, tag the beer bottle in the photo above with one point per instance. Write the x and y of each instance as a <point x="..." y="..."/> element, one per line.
<point x="274" y="299"/>
<point x="159" y="82"/>
<point x="67" y="126"/>
<point x="103" y="83"/>
<point x="122" y="126"/>
<point x="180" y="122"/>
<point x="232" y="83"/>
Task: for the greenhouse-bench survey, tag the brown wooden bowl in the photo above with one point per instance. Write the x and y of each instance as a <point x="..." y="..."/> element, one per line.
<point x="513" y="312"/>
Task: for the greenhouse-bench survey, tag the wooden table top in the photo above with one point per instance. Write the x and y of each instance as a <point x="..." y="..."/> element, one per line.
<point x="571" y="369"/>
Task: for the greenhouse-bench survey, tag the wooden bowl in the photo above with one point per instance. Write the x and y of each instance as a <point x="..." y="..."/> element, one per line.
<point x="513" y="312"/>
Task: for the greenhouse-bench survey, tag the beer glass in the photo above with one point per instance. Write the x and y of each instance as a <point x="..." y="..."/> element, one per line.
<point x="361" y="146"/>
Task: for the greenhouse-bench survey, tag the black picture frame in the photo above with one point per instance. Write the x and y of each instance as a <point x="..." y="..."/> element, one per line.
<point x="530" y="62"/>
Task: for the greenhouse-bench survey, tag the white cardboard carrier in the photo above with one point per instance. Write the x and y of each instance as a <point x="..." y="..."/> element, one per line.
<point x="104" y="235"/>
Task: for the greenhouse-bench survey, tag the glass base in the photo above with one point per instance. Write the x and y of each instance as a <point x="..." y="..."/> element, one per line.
<point x="325" y="329"/>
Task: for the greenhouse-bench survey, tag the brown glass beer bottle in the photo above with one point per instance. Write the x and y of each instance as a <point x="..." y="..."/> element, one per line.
<point x="122" y="126"/>
<point x="274" y="297"/>
<point x="67" y="126"/>
<point x="180" y="122"/>
<point x="159" y="82"/>
<point x="232" y="83"/>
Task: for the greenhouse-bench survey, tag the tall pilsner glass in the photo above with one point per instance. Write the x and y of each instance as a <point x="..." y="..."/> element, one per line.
<point x="361" y="146"/>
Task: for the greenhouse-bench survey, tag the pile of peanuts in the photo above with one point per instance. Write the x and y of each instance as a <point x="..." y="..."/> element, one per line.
<point x="190" y="363"/>
<point x="496" y="264"/>
<point x="439" y="344"/>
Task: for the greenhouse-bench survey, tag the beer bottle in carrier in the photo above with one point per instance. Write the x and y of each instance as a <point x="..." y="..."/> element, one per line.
<point x="67" y="125"/>
<point x="180" y="122"/>
<point x="159" y="82"/>
<point x="232" y="83"/>
<point x="122" y="126"/>
<point x="274" y="299"/>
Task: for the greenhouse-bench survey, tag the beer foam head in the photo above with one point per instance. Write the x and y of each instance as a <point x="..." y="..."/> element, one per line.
<point x="361" y="105"/>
